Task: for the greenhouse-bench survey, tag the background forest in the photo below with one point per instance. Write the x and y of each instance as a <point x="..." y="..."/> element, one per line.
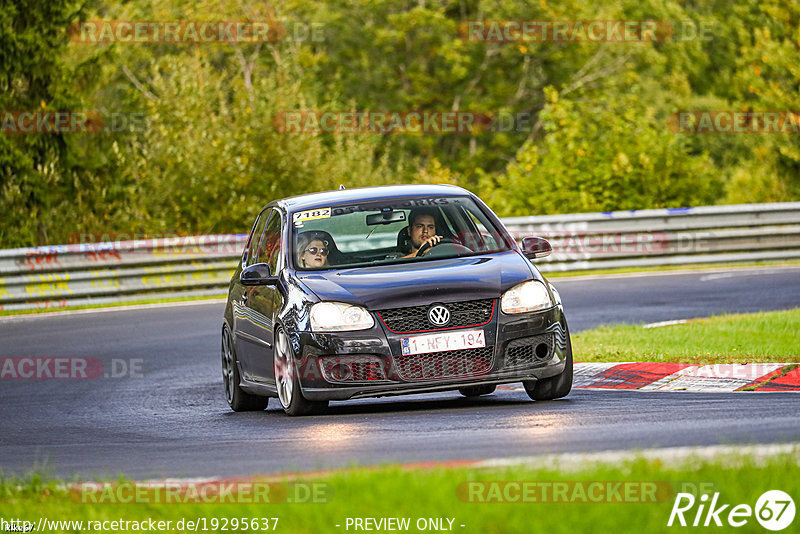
<point x="202" y="155"/>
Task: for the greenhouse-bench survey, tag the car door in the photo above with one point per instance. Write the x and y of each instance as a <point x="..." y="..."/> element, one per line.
<point x="261" y="305"/>
<point x="243" y="329"/>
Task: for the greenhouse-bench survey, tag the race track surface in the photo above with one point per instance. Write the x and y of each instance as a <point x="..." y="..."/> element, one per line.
<point x="172" y="420"/>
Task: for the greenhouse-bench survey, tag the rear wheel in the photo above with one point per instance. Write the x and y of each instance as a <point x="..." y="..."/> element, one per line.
<point x="477" y="391"/>
<point x="287" y="383"/>
<point x="238" y="399"/>
<point x="554" y="387"/>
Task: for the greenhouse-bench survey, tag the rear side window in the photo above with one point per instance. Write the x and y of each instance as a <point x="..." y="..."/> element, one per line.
<point x="255" y="238"/>
<point x="270" y="247"/>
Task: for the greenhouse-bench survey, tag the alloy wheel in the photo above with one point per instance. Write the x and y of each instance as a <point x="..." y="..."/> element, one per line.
<point x="227" y="365"/>
<point x="284" y="370"/>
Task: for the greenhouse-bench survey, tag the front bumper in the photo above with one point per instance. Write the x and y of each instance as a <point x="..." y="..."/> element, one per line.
<point x="386" y="373"/>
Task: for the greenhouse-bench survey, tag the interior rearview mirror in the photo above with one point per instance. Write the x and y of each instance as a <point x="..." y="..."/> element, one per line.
<point x="386" y="217"/>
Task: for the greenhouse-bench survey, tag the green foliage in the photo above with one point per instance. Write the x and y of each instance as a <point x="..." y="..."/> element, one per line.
<point x="210" y="157"/>
<point x="55" y="184"/>
<point x="603" y="155"/>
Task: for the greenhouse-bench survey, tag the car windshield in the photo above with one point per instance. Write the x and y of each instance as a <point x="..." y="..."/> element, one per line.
<point x="393" y="231"/>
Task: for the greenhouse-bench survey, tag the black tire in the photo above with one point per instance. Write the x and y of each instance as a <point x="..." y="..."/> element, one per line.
<point x="289" y="395"/>
<point x="553" y="387"/>
<point x="477" y="391"/>
<point x="238" y="399"/>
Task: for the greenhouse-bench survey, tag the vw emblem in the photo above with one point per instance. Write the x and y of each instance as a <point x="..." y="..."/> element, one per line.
<point x="438" y="315"/>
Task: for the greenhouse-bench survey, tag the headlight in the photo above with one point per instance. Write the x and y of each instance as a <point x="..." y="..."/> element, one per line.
<point x="526" y="297"/>
<point x="337" y="316"/>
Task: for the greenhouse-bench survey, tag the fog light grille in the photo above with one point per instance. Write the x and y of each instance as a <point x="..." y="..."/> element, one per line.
<point x="354" y="368"/>
<point x="529" y="350"/>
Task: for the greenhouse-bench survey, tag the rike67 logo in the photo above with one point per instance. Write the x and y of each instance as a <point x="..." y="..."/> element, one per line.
<point x="774" y="510"/>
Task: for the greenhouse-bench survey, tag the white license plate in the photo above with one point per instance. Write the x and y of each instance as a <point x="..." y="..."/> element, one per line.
<point x="461" y="340"/>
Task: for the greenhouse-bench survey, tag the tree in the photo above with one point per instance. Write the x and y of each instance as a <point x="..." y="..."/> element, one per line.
<point x="603" y="155"/>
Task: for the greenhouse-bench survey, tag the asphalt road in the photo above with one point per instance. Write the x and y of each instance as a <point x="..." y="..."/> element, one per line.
<point x="170" y="417"/>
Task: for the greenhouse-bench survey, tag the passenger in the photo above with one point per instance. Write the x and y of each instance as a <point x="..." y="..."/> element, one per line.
<point x="312" y="252"/>
<point x="421" y="230"/>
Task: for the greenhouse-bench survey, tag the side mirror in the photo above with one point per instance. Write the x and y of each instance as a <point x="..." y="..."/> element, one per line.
<point x="536" y="247"/>
<point x="258" y="275"/>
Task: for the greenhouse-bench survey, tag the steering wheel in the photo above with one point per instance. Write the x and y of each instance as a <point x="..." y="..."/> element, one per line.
<point x="427" y="246"/>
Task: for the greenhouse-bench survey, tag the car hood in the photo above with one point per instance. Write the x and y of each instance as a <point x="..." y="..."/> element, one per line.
<point x="410" y="284"/>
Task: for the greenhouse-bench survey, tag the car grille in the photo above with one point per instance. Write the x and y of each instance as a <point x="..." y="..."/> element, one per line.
<point x="353" y="368"/>
<point x="523" y="351"/>
<point x="415" y="318"/>
<point x="448" y="364"/>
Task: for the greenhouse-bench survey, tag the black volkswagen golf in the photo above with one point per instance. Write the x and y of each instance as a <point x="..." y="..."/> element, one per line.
<point x="388" y="291"/>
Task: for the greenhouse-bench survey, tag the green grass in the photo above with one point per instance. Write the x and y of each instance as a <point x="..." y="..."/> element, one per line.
<point x="439" y="492"/>
<point x="110" y="305"/>
<point x="737" y="338"/>
<point x="667" y="268"/>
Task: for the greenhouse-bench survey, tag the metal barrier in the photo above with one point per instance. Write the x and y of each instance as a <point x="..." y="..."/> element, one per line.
<point x="679" y="236"/>
<point x="96" y="273"/>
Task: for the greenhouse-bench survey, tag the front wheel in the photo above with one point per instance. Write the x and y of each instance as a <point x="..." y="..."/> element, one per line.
<point x="238" y="399"/>
<point x="287" y="383"/>
<point x="554" y="387"/>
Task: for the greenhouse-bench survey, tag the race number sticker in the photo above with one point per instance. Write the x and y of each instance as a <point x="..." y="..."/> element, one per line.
<point x="308" y="215"/>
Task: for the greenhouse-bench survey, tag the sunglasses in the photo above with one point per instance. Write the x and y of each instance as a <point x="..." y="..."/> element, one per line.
<point x="315" y="250"/>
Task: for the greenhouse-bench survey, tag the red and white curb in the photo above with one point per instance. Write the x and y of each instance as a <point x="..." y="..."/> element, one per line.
<point x="669" y="376"/>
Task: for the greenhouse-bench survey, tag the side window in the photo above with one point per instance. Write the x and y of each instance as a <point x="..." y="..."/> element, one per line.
<point x="485" y="235"/>
<point x="255" y="237"/>
<point x="270" y="248"/>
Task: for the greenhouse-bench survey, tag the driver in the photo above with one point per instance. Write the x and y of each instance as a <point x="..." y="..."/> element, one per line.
<point x="421" y="230"/>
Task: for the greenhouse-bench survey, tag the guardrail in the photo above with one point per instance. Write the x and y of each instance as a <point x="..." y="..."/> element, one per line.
<point x="643" y="238"/>
<point x="96" y="273"/>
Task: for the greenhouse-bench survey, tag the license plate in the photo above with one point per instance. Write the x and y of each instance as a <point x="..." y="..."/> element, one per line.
<point x="461" y="340"/>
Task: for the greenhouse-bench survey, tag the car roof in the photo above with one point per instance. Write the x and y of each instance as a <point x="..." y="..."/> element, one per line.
<point x="361" y="194"/>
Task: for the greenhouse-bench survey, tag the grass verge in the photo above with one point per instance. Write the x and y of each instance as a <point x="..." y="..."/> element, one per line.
<point x="736" y="338"/>
<point x="455" y="493"/>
